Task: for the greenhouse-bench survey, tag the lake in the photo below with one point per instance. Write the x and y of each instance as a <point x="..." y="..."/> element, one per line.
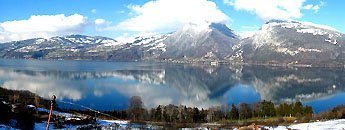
<point x="104" y="85"/>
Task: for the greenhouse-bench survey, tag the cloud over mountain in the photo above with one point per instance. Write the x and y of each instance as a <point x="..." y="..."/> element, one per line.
<point x="170" y="15"/>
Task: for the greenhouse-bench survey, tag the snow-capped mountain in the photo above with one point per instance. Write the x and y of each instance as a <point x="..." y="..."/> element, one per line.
<point x="85" y="47"/>
<point x="64" y="47"/>
<point x="141" y="48"/>
<point x="292" y="42"/>
<point x="277" y="42"/>
<point x="206" y="41"/>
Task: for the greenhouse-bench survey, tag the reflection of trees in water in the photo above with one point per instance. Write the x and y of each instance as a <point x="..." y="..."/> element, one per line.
<point x="201" y="86"/>
<point x="44" y="86"/>
<point x="136" y="108"/>
<point x="281" y="84"/>
<point x="196" y="85"/>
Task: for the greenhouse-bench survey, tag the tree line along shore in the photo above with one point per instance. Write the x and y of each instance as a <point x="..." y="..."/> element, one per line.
<point x="234" y="116"/>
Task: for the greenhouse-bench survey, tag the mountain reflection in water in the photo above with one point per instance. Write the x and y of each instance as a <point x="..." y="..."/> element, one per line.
<point x="203" y="86"/>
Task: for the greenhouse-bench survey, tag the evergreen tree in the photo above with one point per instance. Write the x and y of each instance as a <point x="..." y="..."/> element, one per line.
<point x="298" y="109"/>
<point x="308" y="110"/>
<point x="203" y="115"/>
<point x="267" y="109"/>
<point x="281" y="110"/>
<point x="158" y="113"/>
<point x="285" y="109"/>
<point x="152" y="114"/>
<point x="196" y="115"/>
<point x="233" y="112"/>
<point x="165" y="116"/>
<point x="180" y="116"/>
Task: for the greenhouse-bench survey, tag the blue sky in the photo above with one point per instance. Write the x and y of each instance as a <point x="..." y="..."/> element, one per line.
<point x="128" y="18"/>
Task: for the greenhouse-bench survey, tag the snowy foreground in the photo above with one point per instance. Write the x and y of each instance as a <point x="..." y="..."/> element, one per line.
<point x="327" y="125"/>
<point x="104" y="124"/>
<point x="120" y="124"/>
<point x="107" y="124"/>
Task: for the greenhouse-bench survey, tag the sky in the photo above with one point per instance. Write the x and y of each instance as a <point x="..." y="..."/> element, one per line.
<point x="123" y="19"/>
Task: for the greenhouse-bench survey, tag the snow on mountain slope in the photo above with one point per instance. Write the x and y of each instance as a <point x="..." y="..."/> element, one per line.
<point x="267" y="34"/>
<point x="200" y="41"/>
<point x="286" y="42"/>
<point x="153" y="42"/>
<point x="281" y="42"/>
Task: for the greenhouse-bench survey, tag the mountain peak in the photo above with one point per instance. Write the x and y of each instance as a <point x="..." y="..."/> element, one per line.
<point x="206" y="27"/>
<point x="281" y="21"/>
<point x="293" y="42"/>
<point x="196" y="28"/>
<point x="200" y="41"/>
<point x="224" y="29"/>
<point x="299" y="25"/>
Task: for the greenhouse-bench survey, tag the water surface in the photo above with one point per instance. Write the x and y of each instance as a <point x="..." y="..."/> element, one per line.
<point x="106" y="85"/>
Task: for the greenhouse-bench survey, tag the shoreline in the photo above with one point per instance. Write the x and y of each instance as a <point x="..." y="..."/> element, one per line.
<point x="202" y="62"/>
<point x="86" y="117"/>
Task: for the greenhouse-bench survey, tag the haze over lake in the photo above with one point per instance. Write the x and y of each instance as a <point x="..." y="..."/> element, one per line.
<point x="108" y="85"/>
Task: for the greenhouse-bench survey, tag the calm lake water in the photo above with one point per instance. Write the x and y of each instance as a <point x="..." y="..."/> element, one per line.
<point x="108" y="85"/>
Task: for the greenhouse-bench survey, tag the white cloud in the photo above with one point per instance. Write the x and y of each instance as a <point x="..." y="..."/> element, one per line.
<point x="314" y="7"/>
<point x="170" y="15"/>
<point x="246" y="34"/>
<point x="130" y="13"/>
<point x="99" y="21"/>
<point x="229" y="2"/>
<point x="308" y="6"/>
<point x="270" y="9"/>
<point x="101" y="24"/>
<point x="42" y="26"/>
<point x="93" y="11"/>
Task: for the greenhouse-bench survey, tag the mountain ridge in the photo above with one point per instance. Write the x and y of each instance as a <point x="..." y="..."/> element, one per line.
<point x="278" y="42"/>
<point x="293" y="43"/>
<point x="201" y="42"/>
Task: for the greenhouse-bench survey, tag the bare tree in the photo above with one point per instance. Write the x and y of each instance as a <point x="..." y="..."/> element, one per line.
<point x="136" y="108"/>
<point x="245" y="111"/>
<point x="256" y="109"/>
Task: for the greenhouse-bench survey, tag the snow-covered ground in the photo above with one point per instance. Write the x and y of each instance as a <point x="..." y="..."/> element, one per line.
<point x="327" y="125"/>
<point x="121" y="124"/>
<point x="104" y="124"/>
